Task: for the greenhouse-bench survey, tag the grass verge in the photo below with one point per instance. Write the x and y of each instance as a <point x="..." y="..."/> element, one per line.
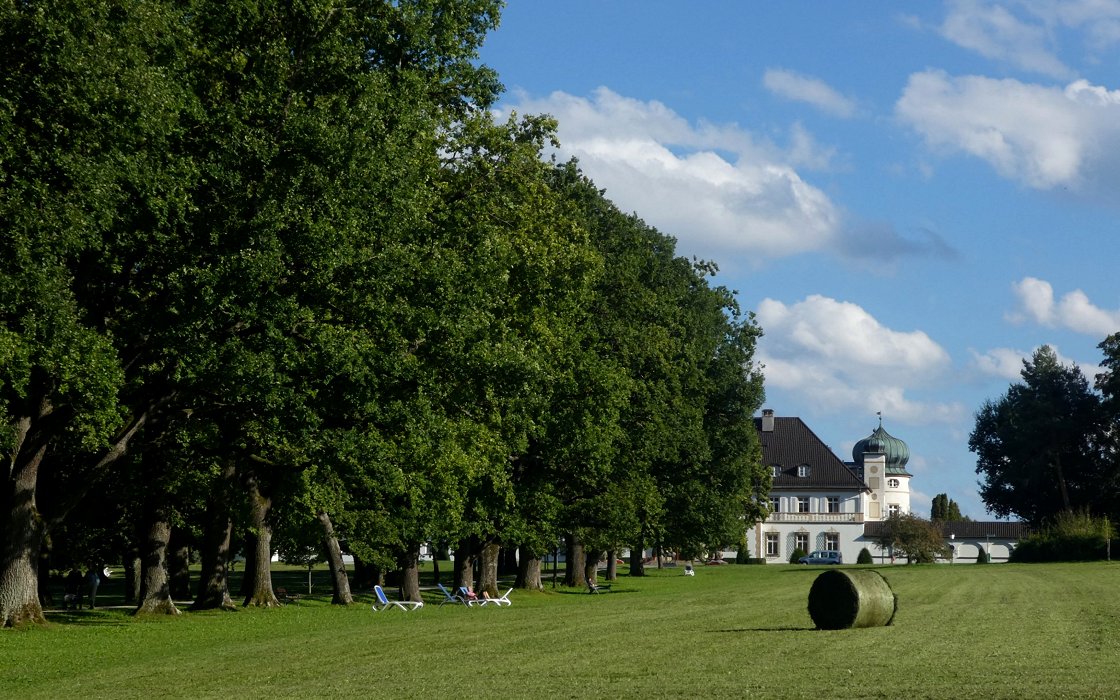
<point x="1005" y="631"/>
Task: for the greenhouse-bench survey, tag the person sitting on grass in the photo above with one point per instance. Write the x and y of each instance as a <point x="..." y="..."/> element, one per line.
<point x="72" y="593"/>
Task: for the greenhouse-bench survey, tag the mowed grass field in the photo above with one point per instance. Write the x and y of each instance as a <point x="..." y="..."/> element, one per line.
<point x="963" y="631"/>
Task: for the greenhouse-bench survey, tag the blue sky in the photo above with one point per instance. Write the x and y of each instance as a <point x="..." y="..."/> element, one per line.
<point x="912" y="197"/>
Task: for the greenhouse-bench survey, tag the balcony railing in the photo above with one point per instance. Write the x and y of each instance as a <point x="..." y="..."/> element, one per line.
<point x="815" y="518"/>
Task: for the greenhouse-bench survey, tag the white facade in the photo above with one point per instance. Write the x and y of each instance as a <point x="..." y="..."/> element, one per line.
<point x="819" y="502"/>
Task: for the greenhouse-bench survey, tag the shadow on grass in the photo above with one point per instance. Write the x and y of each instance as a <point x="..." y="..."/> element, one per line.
<point x="90" y="618"/>
<point x="766" y="629"/>
<point x="602" y="593"/>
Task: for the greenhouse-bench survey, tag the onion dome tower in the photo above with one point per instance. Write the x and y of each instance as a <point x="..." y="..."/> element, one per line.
<point x="896" y="451"/>
<point x="880" y="460"/>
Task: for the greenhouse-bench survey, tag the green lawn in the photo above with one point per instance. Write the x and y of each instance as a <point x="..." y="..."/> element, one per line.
<point x="997" y="631"/>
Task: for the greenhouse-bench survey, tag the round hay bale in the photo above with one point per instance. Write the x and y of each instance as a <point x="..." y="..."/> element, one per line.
<point x="842" y="600"/>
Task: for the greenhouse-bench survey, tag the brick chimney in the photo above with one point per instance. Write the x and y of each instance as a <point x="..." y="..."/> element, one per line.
<point x="767" y="420"/>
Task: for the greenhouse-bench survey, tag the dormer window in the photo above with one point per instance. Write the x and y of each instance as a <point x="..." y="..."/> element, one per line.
<point x="775" y="471"/>
<point x="803" y="470"/>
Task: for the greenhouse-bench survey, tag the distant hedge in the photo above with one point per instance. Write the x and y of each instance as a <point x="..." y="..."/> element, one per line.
<point x="1069" y="537"/>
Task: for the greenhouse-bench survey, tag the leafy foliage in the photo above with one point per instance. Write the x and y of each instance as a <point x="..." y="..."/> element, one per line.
<point x="287" y="245"/>
<point x="1068" y="536"/>
<point x="1038" y="446"/>
<point x="914" y="537"/>
<point x="945" y="509"/>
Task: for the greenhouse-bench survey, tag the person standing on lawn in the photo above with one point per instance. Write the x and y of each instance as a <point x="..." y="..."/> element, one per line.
<point x="93" y="580"/>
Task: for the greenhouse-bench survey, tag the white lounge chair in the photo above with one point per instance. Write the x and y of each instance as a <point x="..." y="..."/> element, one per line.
<point x="499" y="600"/>
<point x="449" y="597"/>
<point x="384" y="602"/>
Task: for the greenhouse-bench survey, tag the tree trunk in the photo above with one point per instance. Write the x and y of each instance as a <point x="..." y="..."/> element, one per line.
<point x="591" y="566"/>
<point x="46" y="599"/>
<point x="464" y="565"/>
<point x="638" y="559"/>
<point x="1063" y="488"/>
<point x="507" y="561"/>
<point x="529" y="571"/>
<point x="261" y="593"/>
<point x="155" y="587"/>
<point x="21" y="534"/>
<point x="131" y="561"/>
<point x="179" y="564"/>
<point x="612" y="565"/>
<point x="366" y="576"/>
<point x="410" y="574"/>
<point x="339" y="582"/>
<point x="21" y="523"/>
<point x="488" y="569"/>
<point x="213" y="582"/>
<point x="573" y="567"/>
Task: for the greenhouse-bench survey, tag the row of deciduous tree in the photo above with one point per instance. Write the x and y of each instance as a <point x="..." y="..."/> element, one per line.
<point x="274" y="267"/>
<point x="1050" y="444"/>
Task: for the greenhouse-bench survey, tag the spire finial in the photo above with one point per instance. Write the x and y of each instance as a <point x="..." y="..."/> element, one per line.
<point x="880" y="414"/>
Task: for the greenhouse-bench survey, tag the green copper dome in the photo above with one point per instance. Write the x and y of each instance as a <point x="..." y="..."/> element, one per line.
<point x="895" y="450"/>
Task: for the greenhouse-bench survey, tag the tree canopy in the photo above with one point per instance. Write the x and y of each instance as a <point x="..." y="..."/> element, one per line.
<point x="274" y="266"/>
<point x="1038" y="447"/>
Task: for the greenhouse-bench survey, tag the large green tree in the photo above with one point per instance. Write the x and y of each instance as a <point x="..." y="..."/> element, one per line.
<point x="675" y="461"/>
<point x="183" y="186"/>
<point x="1108" y="384"/>
<point x="1038" y="447"/>
<point x="90" y="183"/>
<point x="945" y="509"/>
<point x="913" y="537"/>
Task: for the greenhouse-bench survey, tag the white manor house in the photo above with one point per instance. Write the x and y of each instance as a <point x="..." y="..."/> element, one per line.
<point x="819" y="502"/>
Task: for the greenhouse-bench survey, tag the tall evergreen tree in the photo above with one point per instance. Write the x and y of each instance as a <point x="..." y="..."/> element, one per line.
<point x="1038" y="447"/>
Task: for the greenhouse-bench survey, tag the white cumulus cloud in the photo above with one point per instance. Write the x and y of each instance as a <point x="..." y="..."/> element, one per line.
<point x="813" y="91"/>
<point x="840" y="357"/>
<point x="994" y="31"/>
<point x="1074" y="311"/>
<point x="1007" y="363"/>
<point x="1044" y="137"/>
<point x="713" y="186"/>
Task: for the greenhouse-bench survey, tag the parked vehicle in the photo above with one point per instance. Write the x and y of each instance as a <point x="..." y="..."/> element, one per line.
<point x="821" y="556"/>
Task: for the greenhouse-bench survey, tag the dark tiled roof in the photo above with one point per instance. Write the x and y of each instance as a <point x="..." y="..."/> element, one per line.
<point x="965" y="529"/>
<point x="792" y="444"/>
